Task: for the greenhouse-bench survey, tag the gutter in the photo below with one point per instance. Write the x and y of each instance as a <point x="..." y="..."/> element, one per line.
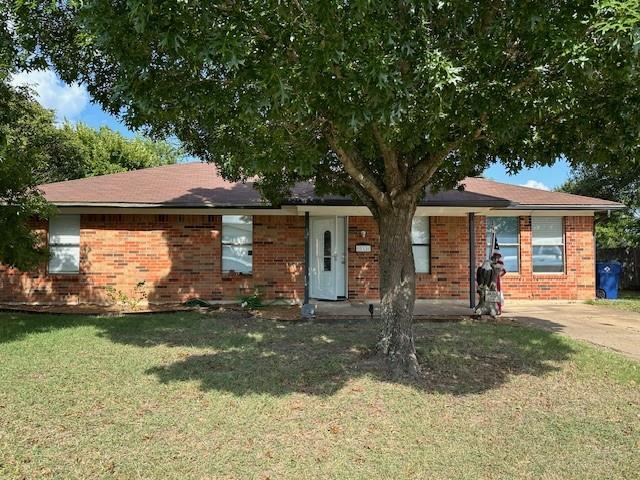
<point x="597" y="208"/>
<point x="288" y="206"/>
<point x="160" y="205"/>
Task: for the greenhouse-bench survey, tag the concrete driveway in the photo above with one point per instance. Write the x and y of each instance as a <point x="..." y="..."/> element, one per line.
<point x="617" y="330"/>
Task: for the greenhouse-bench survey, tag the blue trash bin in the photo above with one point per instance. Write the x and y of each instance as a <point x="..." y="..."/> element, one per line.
<point x="608" y="279"/>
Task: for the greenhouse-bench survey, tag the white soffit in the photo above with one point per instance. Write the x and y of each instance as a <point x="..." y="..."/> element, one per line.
<point x="317" y="210"/>
<point x="541" y="213"/>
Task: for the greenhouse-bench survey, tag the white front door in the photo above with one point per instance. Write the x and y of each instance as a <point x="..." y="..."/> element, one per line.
<point x="328" y="260"/>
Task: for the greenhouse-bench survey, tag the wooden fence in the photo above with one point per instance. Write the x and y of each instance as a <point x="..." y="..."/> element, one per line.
<point x="630" y="259"/>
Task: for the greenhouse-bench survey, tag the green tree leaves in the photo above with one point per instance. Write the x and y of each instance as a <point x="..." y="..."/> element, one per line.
<point x="617" y="181"/>
<point x="256" y="86"/>
<point x="104" y="151"/>
<point x="34" y="150"/>
<point x="21" y="203"/>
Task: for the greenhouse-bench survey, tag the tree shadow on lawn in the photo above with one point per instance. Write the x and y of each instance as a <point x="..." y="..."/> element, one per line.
<point x="15" y="325"/>
<point x="250" y="356"/>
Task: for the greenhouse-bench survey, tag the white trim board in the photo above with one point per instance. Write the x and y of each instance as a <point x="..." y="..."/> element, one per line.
<point x="318" y="210"/>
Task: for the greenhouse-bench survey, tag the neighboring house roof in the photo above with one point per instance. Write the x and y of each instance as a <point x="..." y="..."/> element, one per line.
<point x="200" y="185"/>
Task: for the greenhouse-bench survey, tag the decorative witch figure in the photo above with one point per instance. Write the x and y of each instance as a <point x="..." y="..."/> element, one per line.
<point x="489" y="285"/>
<point x="498" y="266"/>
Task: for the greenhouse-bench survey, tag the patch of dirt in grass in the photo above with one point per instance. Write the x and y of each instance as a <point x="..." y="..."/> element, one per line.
<point x="91" y="309"/>
<point x="278" y="312"/>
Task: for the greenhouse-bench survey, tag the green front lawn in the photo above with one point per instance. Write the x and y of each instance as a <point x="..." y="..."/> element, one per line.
<point x="627" y="300"/>
<point x="222" y="396"/>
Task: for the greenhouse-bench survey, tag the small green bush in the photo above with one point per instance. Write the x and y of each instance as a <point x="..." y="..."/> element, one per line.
<point x="130" y="302"/>
<point x="251" y="302"/>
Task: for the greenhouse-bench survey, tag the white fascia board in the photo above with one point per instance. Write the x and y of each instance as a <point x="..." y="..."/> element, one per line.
<point x="356" y="211"/>
<point x="314" y="210"/>
<point x="146" y="210"/>
<point x="540" y="213"/>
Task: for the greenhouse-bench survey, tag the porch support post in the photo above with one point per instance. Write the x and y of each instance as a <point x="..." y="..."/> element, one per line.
<point x="307" y="258"/>
<point x="472" y="260"/>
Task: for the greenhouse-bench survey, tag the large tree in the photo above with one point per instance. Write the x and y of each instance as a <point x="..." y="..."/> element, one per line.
<point x="20" y="200"/>
<point x="380" y="99"/>
<point x="92" y="152"/>
<point x="617" y="181"/>
<point x="35" y="150"/>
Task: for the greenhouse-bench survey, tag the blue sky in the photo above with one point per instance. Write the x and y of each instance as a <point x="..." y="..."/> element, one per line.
<point x="72" y="103"/>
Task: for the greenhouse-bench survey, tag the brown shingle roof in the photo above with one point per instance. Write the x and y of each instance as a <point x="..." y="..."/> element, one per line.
<point x="200" y="185"/>
<point x="527" y="196"/>
<point x="182" y="184"/>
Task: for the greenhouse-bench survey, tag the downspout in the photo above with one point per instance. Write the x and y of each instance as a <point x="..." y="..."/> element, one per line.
<point x="472" y="260"/>
<point x="307" y="256"/>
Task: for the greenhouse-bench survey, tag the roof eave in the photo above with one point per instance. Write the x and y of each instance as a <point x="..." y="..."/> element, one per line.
<point x="341" y="203"/>
<point x="589" y="207"/>
<point x="204" y="206"/>
<point x="350" y="203"/>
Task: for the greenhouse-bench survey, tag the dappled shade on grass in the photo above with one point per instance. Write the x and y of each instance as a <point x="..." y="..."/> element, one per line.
<point x="220" y="395"/>
<point x="245" y="355"/>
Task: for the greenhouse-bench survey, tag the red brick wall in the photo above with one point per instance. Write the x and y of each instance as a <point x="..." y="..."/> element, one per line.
<point x="362" y="272"/>
<point x="449" y="260"/>
<point x="578" y="280"/>
<point x="449" y="276"/>
<point x="179" y="257"/>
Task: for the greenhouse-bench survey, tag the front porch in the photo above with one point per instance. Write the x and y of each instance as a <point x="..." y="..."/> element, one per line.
<point x="445" y="309"/>
<point x="341" y="259"/>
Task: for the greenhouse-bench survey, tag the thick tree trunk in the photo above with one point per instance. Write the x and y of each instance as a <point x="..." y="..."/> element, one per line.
<point x="397" y="288"/>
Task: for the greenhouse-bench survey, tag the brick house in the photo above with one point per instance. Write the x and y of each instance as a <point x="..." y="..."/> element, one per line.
<point x="188" y="233"/>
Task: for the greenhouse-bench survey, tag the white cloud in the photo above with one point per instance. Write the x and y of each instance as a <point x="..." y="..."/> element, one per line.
<point x="535" y="184"/>
<point x="68" y="101"/>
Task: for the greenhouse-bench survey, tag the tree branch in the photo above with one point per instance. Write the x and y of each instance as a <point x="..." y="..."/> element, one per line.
<point x="424" y="171"/>
<point x="392" y="174"/>
<point x="359" y="172"/>
<point x="364" y="198"/>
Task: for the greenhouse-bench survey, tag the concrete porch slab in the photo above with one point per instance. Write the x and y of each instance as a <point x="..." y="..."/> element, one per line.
<point x="423" y="308"/>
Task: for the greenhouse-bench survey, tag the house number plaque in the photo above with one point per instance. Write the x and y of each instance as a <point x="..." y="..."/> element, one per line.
<point x="363" y="247"/>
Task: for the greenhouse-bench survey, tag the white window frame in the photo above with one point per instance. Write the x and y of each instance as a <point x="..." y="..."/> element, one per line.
<point x="63" y="244"/>
<point x="561" y="245"/>
<point x="489" y="248"/>
<point x="236" y="244"/>
<point x="422" y="244"/>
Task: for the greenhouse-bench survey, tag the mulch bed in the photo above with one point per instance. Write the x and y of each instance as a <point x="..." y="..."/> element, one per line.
<point x="88" y="309"/>
<point x="287" y="313"/>
<point x="281" y="312"/>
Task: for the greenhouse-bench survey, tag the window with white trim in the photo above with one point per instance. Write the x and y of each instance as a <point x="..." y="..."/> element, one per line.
<point x="421" y="243"/>
<point x="508" y="232"/>
<point x="237" y="243"/>
<point x="547" y="239"/>
<point x="64" y="244"/>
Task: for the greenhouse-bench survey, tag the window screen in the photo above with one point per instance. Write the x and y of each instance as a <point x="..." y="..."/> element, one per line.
<point x="507" y="230"/>
<point x="421" y="243"/>
<point x="237" y="243"/>
<point x="548" y="244"/>
<point x="64" y="244"/>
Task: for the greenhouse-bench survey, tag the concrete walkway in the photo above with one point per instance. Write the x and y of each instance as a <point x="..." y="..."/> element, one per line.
<point x="617" y="330"/>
